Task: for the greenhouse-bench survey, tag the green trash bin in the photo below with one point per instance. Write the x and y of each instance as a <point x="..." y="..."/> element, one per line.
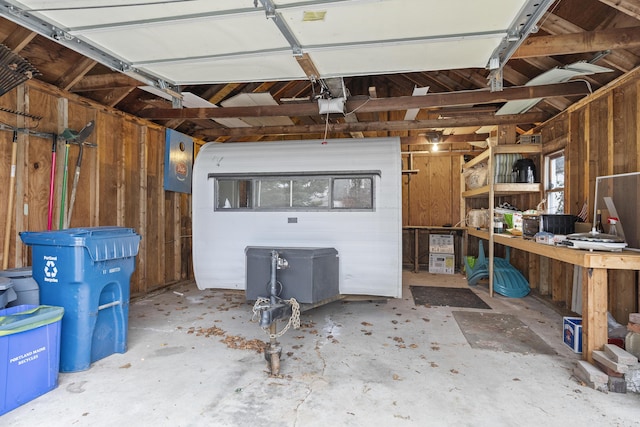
<point x="29" y="353"/>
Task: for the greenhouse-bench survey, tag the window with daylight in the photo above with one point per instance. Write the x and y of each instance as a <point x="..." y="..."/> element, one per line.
<point x="554" y="182"/>
<point x="299" y="193"/>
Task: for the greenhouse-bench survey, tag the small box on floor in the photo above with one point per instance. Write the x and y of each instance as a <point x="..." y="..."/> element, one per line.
<point x="441" y="243"/>
<point x="441" y="263"/>
<point x="572" y="333"/>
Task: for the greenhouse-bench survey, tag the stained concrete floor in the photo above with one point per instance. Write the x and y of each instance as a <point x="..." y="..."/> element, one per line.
<point x="357" y="363"/>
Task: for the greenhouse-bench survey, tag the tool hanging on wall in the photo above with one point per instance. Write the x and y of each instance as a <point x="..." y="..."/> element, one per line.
<point x="12" y="182"/>
<point x="71" y="137"/>
<point x="64" y="184"/>
<point x="76" y="176"/>
<point x="52" y="180"/>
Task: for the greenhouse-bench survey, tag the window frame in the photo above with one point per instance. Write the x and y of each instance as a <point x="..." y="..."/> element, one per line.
<point x="550" y="191"/>
<point x="255" y="180"/>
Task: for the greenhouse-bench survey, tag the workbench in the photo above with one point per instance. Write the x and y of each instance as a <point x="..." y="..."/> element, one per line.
<point x="594" y="280"/>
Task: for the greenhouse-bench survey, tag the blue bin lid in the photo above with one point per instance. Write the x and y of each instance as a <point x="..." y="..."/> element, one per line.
<point x="102" y="243"/>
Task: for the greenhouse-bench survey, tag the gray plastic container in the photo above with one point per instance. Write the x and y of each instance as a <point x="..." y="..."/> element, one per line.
<point x="25" y="286"/>
<point x="311" y="277"/>
<point x="7" y="294"/>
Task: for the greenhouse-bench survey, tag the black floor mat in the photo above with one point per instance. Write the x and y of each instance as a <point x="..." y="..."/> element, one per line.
<point x="499" y="332"/>
<point x="451" y="297"/>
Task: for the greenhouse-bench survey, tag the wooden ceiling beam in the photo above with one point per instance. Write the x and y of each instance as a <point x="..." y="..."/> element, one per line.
<point x="80" y="69"/>
<point x="630" y="7"/>
<point x="104" y="81"/>
<point x="369" y="105"/>
<point x="587" y="41"/>
<point x="621" y="59"/>
<point x="19" y="38"/>
<point x="385" y="126"/>
<point x="448" y="139"/>
<point x="224" y="92"/>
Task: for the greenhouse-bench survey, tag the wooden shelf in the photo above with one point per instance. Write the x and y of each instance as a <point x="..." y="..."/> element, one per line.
<point x="493" y="190"/>
<point x="503" y="189"/>
<point x="503" y="149"/>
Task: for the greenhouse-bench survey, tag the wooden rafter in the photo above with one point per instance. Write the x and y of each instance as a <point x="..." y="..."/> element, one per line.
<point x="630" y="7"/>
<point x="587" y="41"/>
<point x="386" y="126"/>
<point x="103" y="82"/>
<point x="621" y="59"/>
<point x="79" y="70"/>
<point x="19" y="38"/>
<point x="381" y="104"/>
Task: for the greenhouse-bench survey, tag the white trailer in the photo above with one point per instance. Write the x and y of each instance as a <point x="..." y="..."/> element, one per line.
<point x="344" y="194"/>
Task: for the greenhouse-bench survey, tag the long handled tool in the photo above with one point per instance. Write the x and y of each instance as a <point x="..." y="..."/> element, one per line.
<point x="12" y="181"/>
<point x="76" y="175"/>
<point x="64" y="184"/>
<point x="75" y="138"/>
<point x="52" y="182"/>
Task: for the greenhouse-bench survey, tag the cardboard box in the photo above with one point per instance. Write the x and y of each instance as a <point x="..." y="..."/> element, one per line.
<point x="441" y="244"/>
<point x="441" y="263"/>
<point x="572" y="333"/>
<point x="29" y="354"/>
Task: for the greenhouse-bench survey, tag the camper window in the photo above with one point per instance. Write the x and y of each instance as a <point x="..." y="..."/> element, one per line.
<point x="293" y="192"/>
<point x="234" y="193"/>
<point x="352" y="193"/>
<point x="296" y="192"/>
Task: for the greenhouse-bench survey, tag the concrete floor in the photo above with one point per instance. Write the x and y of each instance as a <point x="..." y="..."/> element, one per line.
<point x="364" y="363"/>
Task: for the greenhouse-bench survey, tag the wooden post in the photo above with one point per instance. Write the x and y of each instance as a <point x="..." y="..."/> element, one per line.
<point x="416" y="249"/>
<point x="594" y="311"/>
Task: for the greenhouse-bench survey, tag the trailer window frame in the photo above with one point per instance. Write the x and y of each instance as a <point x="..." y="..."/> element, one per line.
<point x="345" y="191"/>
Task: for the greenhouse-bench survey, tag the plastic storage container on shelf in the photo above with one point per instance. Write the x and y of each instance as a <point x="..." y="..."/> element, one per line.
<point x="86" y="271"/>
<point x="559" y="223"/>
<point x="29" y="353"/>
<point x="25" y="287"/>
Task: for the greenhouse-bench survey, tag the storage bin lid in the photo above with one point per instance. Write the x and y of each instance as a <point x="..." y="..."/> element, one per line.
<point x="102" y="243"/>
<point x="20" y="272"/>
<point x="26" y="317"/>
<point x="5" y="283"/>
<point x="298" y="252"/>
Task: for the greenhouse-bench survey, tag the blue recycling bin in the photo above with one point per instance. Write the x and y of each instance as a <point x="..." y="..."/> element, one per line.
<point x="87" y="271"/>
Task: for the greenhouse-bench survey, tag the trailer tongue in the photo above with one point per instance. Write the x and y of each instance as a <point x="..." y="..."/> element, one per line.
<point x="274" y="308"/>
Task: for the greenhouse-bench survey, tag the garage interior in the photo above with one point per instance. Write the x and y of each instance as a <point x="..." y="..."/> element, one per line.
<point x="447" y="80"/>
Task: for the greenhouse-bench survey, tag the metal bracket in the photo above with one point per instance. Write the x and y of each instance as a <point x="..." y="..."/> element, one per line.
<point x="523" y="25"/>
<point x="271" y="13"/>
<point x="272" y="313"/>
<point x="496" y="80"/>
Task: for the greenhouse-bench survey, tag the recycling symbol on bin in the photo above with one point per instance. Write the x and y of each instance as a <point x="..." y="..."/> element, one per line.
<point x="50" y="269"/>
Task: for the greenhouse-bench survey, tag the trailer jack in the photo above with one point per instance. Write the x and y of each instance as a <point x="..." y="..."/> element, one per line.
<point x="272" y="309"/>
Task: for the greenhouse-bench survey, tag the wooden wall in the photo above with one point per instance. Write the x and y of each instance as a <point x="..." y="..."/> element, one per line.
<point x="431" y="189"/>
<point x="121" y="181"/>
<point x="600" y="136"/>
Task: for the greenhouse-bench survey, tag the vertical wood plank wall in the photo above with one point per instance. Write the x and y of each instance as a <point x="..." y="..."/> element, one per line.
<point x="121" y="181"/>
<point x="600" y="136"/>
